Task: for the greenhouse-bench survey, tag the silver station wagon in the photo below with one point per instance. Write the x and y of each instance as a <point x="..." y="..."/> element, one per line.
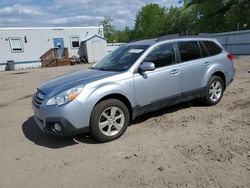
<point x="134" y="79"/>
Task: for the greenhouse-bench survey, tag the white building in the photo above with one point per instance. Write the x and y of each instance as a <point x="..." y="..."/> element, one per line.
<point x="93" y="48"/>
<point x="25" y="46"/>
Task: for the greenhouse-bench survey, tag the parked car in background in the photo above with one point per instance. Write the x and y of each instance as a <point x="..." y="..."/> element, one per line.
<point x="134" y="79"/>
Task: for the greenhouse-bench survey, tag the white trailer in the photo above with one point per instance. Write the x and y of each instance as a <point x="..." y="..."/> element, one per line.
<point x="25" y="46"/>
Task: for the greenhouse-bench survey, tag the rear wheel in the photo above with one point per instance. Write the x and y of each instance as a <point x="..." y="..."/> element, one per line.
<point x="214" y="91"/>
<point x="109" y="120"/>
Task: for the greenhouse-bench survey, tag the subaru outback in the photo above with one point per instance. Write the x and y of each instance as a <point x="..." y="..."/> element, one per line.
<point x="136" y="78"/>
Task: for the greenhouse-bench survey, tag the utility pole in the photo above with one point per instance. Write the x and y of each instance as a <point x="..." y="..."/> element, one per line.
<point x="90" y="16"/>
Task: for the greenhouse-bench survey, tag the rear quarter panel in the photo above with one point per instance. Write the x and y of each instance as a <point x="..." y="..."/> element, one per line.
<point x="219" y="63"/>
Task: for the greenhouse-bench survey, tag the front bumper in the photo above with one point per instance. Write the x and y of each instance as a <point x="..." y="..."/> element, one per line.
<point x="73" y="118"/>
<point x="67" y="128"/>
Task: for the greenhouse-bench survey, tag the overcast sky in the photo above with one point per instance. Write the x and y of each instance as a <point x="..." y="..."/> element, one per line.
<point x="32" y="13"/>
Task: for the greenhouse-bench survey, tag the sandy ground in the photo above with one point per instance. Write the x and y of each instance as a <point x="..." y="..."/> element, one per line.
<point x="187" y="145"/>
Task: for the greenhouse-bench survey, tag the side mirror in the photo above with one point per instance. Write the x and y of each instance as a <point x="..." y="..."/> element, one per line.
<point x="147" y="66"/>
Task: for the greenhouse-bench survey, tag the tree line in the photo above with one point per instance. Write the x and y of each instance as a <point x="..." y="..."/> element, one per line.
<point x="195" y="16"/>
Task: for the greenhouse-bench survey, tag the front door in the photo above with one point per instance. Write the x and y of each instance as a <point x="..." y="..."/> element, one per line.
<point x="58" y="42"/>
<point x="97" y="50"/>
<point x="59" y="45"/>
<point x="157" y="88"/>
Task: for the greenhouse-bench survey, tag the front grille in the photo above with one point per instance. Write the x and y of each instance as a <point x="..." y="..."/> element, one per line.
<point x="38" y="98"/>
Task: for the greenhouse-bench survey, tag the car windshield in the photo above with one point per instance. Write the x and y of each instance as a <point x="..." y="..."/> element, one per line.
<point x="121" y="59"/>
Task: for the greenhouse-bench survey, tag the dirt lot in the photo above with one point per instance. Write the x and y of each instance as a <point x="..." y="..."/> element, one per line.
<point x="187" y="145"/>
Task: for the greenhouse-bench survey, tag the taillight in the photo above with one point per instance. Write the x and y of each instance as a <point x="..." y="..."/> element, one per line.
<point x="230" y="57"/>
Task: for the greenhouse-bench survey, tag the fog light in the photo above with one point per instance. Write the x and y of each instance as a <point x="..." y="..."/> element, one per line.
<point x="57" y="127"/>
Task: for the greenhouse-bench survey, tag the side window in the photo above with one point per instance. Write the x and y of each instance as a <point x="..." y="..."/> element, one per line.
<point x="16" y="44"/>
<point x="189" y="50"/>
<point x="162" y="55"/>
<point x="75" y="41"/>
<point x="204" y="51"/>
<point x="213" y="48"/>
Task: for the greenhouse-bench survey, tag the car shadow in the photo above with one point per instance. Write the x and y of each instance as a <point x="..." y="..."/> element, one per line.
<point x="35" y="135"/>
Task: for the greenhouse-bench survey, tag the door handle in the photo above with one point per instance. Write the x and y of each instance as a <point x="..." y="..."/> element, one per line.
<point x="174" y="71"/>
<point x="207" y="64"/>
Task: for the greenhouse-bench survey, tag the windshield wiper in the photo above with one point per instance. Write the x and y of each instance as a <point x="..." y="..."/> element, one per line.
<point x="103" y="69"/>
<point x="94" y="68"/>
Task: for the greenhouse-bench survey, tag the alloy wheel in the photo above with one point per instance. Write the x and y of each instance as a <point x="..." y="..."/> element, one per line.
<point x="111" y="121"/>
<point x="215" y="91"/>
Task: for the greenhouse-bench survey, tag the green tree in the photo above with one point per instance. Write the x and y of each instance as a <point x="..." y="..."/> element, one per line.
<point x="108" y="27"/>
<point x="238" y="16"/>
<point x="149" y="21"/>
<point x="113" y="35"/>
<point x="124" y="35"/>
<point x="176" y="21"/>
<point x="220" y="15"/>
<point x="194" y="16"/>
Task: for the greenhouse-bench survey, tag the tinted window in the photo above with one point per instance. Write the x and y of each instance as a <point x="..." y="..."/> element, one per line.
<point x="204" y="51"/>
<point x="189" y="50"/>
<point x="121" y="58"/>
<point x="162" y="55"/>
<point x="213" y="48"/>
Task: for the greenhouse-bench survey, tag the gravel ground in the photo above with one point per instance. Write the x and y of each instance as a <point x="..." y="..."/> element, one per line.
<point x="187" y="145"/>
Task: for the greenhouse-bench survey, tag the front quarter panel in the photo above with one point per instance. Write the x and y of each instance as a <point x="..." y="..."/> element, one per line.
<point x="93" y="92"/>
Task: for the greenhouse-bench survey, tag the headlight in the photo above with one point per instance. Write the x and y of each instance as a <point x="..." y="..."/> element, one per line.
<point x="65" y="97"/>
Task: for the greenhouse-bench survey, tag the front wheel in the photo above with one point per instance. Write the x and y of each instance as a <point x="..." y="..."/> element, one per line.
<point x="109" y="120"/>
<point x="214" y="91"/>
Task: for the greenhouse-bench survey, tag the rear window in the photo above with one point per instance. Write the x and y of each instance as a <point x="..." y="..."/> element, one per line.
<point x="212" y="47"/>
<point x="204" y="51"/>
<point x="189" y="50"/>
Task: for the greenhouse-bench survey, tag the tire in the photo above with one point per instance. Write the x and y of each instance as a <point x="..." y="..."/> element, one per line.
<point x="214" y="91"/>
<point x="109" y="120"/>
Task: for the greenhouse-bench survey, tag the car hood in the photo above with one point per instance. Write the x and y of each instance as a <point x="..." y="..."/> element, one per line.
<point x="67" y="81"/>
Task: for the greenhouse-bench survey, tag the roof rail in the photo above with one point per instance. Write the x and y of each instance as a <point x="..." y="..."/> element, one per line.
<point x="181" y="35"/>
<point x="134" y="40"/>
<point x="205" y="35"/>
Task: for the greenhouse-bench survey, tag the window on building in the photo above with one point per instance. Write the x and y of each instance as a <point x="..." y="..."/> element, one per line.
<point x="75" y="41"/>
<point x="16" y="44"/>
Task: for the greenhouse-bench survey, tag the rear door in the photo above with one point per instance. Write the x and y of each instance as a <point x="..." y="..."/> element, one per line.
<point x="195" y="61"/>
